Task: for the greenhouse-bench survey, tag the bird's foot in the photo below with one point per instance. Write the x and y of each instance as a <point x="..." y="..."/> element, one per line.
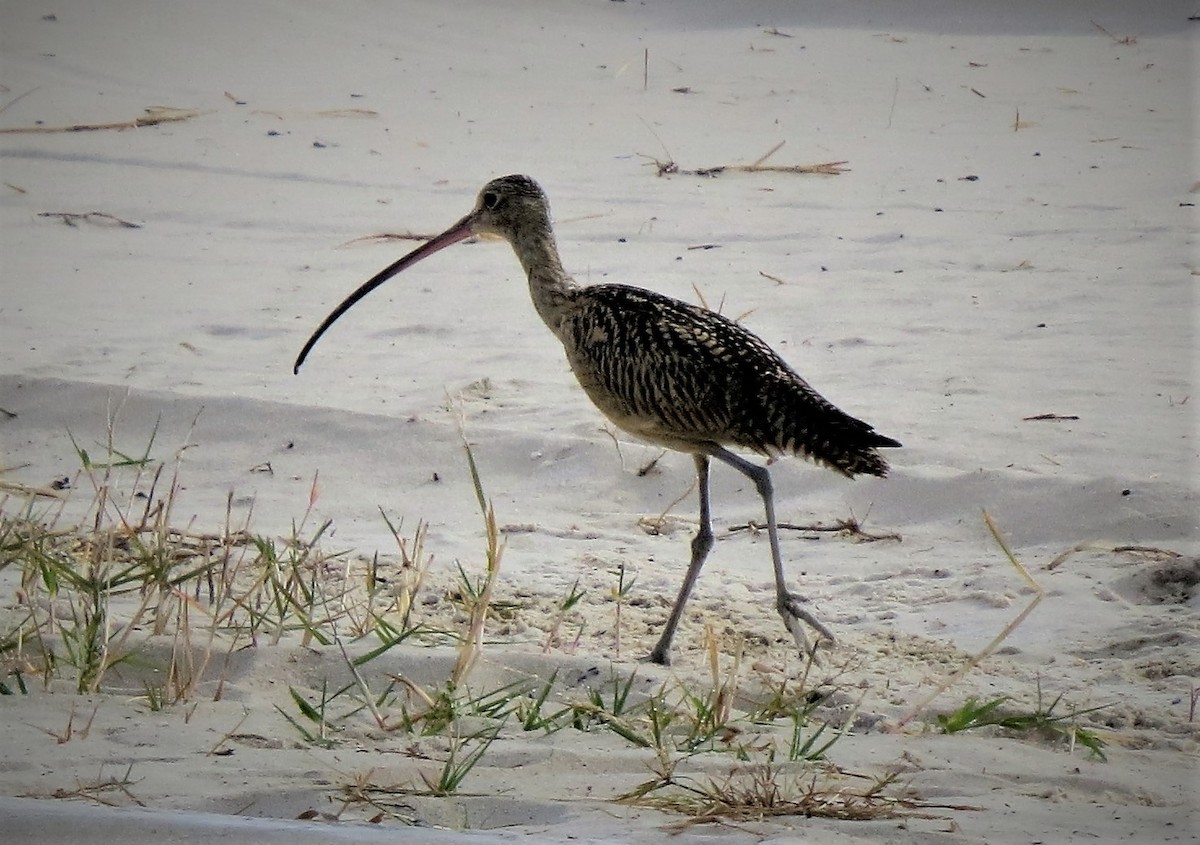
<point x="795" y="617"/>
<point x="658" y="658"/>
<point x="660" y="655"/>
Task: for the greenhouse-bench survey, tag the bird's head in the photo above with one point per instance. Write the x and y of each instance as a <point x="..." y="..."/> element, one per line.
<point x="505" y="207"/>
<point x="509" y="207"/>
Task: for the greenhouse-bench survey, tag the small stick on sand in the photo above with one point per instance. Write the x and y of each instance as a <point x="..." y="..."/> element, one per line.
<point x="1056" y="417"/>
<point x="153" y="116"/>
<point x="70" y="218"/>
<point x="27" y="490"/>
<point x="1149" y="551"/>
<point x="850" y="526"/>
<point x="1125" y="40"/>
<point x="389" y="236"/>
<point x="828" y="168"/>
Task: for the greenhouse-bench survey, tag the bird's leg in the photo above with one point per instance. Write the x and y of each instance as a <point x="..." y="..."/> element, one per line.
<point x="787" y="603"/>
<point x="701" y="545"/>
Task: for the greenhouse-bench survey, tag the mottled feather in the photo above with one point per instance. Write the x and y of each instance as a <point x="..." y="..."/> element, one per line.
<point x="684" y="376"/>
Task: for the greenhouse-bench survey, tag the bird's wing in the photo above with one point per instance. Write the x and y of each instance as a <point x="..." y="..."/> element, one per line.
<point x="682" y="375"/>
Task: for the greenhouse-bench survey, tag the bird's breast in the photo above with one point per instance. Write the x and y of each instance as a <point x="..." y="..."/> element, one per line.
<point x="596" y="335"/>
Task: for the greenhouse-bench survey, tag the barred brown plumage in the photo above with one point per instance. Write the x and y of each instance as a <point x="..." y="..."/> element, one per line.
<point x="669" y="372"/>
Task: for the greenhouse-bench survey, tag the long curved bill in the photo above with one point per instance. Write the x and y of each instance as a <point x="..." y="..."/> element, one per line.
<point x="458" y="232"/>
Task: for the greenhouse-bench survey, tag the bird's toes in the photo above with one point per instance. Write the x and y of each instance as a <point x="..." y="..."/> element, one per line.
<point x="796" y="617"/>
<point x="796" y="629"/>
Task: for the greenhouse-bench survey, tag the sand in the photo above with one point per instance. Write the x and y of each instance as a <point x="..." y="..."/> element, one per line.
<point x="1013" y="237"/>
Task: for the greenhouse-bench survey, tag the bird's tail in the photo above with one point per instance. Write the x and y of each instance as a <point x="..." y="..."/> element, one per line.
<point x="838" y="441"/>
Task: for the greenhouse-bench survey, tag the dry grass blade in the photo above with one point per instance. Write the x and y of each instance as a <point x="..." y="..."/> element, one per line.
<point x="827" y="168"/>
<point x="27" y="490"/>
<point x="758" y="162"/>
<point x="97" y="791"/>
<point x="1124" y="40"/>
<point x="154" y="115"/>
<point x="323" y="113"/>
<point x="348" y="113"/>
<point x="389" y="236"/>
<point x="1146" y="551"/>
<point x="100" y="218"/>
<point x="1039" y="594"/>
<point x="472" y="644"/>
<point x="850" y="527"/>
<point x="14" y="100"/>
<point x="760" y="791"/>
<point x="1050" y="417"/>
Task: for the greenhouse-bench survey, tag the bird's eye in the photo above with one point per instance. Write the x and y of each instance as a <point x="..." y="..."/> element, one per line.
<point x="490" y="199"/>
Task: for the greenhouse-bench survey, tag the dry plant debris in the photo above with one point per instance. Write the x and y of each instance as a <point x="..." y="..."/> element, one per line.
<point x="850" y="527"/>
<point x="1149" y="552"/>
<point x="99" y="218"/>
<point x="1038" y="594"/>
<point x="828" y="168"/>
<point x="153" y="117"/>
<point x="1124" y="40"/>
<point x="389" y="236"/>
<point x="1054" y="417"/>
<point x="335" y="113"/>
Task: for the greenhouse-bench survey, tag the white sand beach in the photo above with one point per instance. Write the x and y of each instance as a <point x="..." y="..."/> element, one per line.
<point x="1000" y="272"/>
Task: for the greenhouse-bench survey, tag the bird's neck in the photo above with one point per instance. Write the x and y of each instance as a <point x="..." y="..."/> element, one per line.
<point x="552" y="290"/>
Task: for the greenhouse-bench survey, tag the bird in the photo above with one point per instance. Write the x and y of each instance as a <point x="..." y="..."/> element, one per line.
<point x="668" y="372"/>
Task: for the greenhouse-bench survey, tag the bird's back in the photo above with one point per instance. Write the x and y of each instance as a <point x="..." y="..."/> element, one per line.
<point x="683" y="376"/>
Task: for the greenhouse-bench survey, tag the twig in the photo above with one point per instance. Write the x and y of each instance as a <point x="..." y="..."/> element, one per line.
<point x="648" y="467"/>
<point x="654" y="525"/>
<point x="1125" y="40"/>
<point x="828" y="168"/>
<point x="16" y="100"/>
<point x="768" y="154"/>
<point x="153" y="116"/>
<point x="347" y="113"/>
<point x="230" y="734"/>
<point x="1150" y="551"/>
<point x="26" y="490"/>
<point x="97" y="217"/>
<point x="1078" y="547"/>
<point x="850" y="525"/>
<point x="1039" y="417"/>
<point x="389" y="236"/>
<point x="94" y="790"/>
<point x="302" y="115"/>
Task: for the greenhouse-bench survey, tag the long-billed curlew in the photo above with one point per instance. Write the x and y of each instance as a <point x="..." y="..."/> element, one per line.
<point x="668" y="372"/>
